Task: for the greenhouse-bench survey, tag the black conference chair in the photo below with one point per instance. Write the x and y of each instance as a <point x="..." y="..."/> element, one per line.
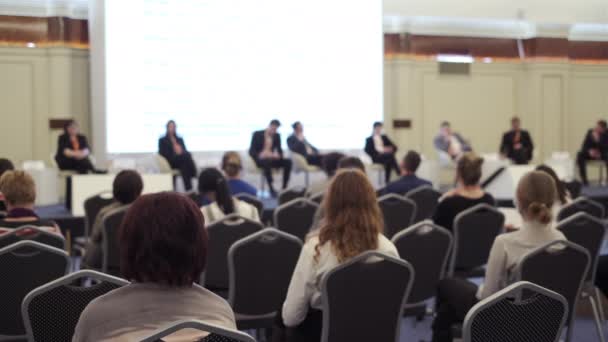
<point x="217" y="334"/>
<point x="291" y="194"/>
<point x="222" y="235"/>
<point x="426" y="247"/>
<point x="574" y="188"/>
<point x="317" y="198"/>
<point x="260" y="268"/>
<point x="195" y="197"/>
<point x="254" y="201"/>
<point x="521" y="312"/>
<point x="581" y="204"/>
<point x="92" y="207"/>
<point x="51" y="312"/>
<point x="399" y="213"/>
<point x="475" y="230"/>
<point x="559" y="266"/>
<point x="588" y="231"/>
<point x="363" y="298"/>
<point x="426" y="199"/>
<point x="111" y="248"/>
<point x="24" y="266"/>
<point x="295" y="217"/>
<point x="32" y="233"/>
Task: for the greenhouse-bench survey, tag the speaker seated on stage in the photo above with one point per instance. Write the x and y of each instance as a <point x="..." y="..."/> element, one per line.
<point x="5" y="165"/>
<point x="382" y="150"/>
<point x="297" y="143"/>
<point x="408" y="181"/>
<point x="173" y="148"/>
<point x="19" y="192"/>
<point x="266" y="151"/>
<point x="73" y="150"/>
<point x="517" y="144"/>
<point x="126" y="188"/>
<point x="232" y="165"/>
<point x="450" y="143"/>
<point x="595" y="147"/>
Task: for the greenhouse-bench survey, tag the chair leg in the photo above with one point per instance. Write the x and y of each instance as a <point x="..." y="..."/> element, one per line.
<point x="600" y="306"/>
<point x="306" y="178"/>
<point x="262" y="185"/>
<point x="598" y="323"/>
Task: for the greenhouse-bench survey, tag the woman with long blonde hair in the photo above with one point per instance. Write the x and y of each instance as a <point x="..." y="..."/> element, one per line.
<point x="352" y="225"/>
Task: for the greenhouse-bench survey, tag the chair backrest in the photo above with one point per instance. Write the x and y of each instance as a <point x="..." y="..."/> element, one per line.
<point x="93" y="205"/>
<point x="318" y="197"/>
<point x="426" y="247"/>
<point x="291" y="194"/>
<point x="399" y="213"/>
<point x="559" y="266"/>
<point x="222" y="234"/>
<point x="426" y="199"/>
<point x="217" y="334"/>
<point x="475" y="230"/>
<point x="363" y="298"/>
<point x="110" y="244"/>
<point x="195" y="197"/>
<point x="24" y="266"/>
<point x="51" y="312"/>
<point x="254" y="201"/>
<point x="581" y="204"/>
<point x="520" y="312"/>
<point x="586" y="231"/>
<point x="32" y="233"/>
<point x="574" y="188"/>
<point x="163" y="164"/>
<point x="295" y="217"/>
<point x="299" y="162"/>
<point x="260" y="268"/>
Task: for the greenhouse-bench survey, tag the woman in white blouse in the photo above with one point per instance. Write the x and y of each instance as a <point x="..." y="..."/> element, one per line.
<point x="213" y="186"/>
<point x="536" y="195"/>
<point x="352" y="225"/>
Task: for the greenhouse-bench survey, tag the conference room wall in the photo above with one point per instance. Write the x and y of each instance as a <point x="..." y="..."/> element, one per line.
<point x="38" y="84"/>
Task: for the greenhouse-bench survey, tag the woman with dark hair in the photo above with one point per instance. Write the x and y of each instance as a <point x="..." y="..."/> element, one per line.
<point x="563" y="196"/>
<point x="73" y="150"/>
<point x="163" y="250"/>
<point x="172" y="147"/>
<point x="214" y="188"/>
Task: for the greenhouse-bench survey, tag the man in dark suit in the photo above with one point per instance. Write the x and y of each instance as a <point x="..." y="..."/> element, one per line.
<point x="297" y="143"/>
<point x="595" y="147"/>
<point x="517" y="144"/>
<point x="73" y="150"/>
<point x="267" y="153"/>
<point x="382" y="150"/>
<point x="172" y="148"/>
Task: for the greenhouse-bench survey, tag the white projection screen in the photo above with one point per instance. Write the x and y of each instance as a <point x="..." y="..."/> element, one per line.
<point x="224" y="68"/>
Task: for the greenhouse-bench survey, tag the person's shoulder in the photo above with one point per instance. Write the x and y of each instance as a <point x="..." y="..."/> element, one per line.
<point x="103" y="307"/>
<point x="488" y="198"/>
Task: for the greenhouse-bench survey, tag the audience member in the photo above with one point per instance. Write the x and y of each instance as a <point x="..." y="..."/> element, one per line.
<point x="213" y="186"/>
<point x="232" y="167"/>
<point x="536" y="194"/>
<point x="517" y="144"/>
<point x="19" y="191"/>
<point x="329" y="165"/>
<point x="408" y="181"/>
<point x="73" y="150"/>
<point x="467" y="194"/>
<point x="297" y="143"/>
<point x="450" y="142"/>
<point x="267" y="153"/>
<point x="5" y="165"/>
<point x="382" y="150"/>
<point x="352" y="226"/>
<point x="595" y="147"/>
<point x="163" y="250"/>
<point x="173" y="148"/>
<point x="563" y="196"/>
<point x="126" y="188"/>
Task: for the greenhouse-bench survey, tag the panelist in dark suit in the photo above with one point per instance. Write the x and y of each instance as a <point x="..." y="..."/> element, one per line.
<point x="595" y="147"/>
<point x="267" y="153"/>
<point x="73" y="150"/>
<point x="382" y="150"/>
<point x="517" y="144"/>
<point x="297" y="143"/>
<point x="172" y="147"/>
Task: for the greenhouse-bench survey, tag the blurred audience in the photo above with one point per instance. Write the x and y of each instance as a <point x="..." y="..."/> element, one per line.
<point x="232" y="166"/>
<point x="408" y="181"/>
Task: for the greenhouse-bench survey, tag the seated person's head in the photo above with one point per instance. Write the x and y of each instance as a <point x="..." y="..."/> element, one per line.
<point x="297" y="127"/>
<point x="330" y="163"/>
<point x="213" y="185"/>
<point x="445" y="128"/>
<point x="5" y="165"/>
<point x="71" y="128"/>
<point x="18" y="189"/>
<point x="378" y="126"/>
<point x="350" y="162"/>
<point x="600" y="126"/>
<point x="127" y="186"/>
<point x="536" y="193"/>
<point x="273" y="127"/>
<point x="232" y="164"/>
<point x="163" y="240"/>
<point x="468" y="169"/>
<point x="410" y="162"/>
<point x="353" y="219"/>
<point x="562" y="193"/>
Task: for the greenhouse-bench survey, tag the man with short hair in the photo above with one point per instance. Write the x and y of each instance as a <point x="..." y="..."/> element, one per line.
<point x="517" y="144"/>
<point x="408" y="181"/>
<point x="450" y="142"/>
<point x="267" y="153"/>
<point x="297" y="143"/>
<point x="382" y="150"/>
<point x="595" y="147"/>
